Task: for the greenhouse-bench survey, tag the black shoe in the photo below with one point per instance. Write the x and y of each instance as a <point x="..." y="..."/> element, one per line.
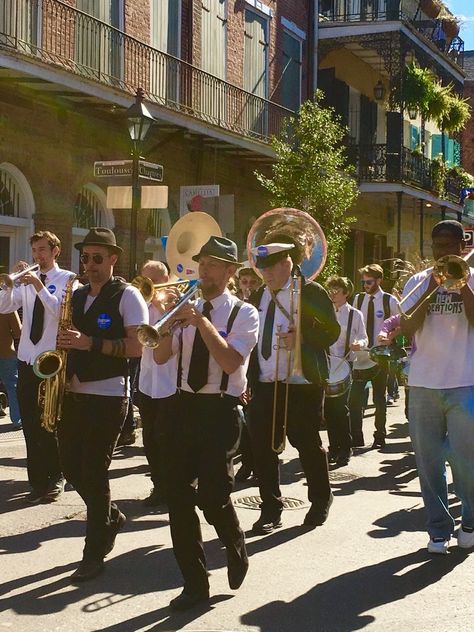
<point x="237" y="564"/>
<point x="332" y="456"/>
<point x="127" y="438"/>
<point x="54" y="491"/>
<point x="35" y="497"/>
<point x="114" y="528"/>
<point x="87" y="569"/>
<point x="154" y="499"/>
<point x="378" y="443"/>
<point x="244" y="473"/>
<point x="266" y="525"/>
<point x="344" y="457"/>
<point x="189" y="599"/>
<point x="317" y="514"/>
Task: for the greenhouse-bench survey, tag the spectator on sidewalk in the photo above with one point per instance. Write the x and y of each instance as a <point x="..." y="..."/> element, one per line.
<point x="10" y="330"/>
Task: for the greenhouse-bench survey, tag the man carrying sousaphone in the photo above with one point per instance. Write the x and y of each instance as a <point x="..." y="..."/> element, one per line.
<point x="319" y="329"/>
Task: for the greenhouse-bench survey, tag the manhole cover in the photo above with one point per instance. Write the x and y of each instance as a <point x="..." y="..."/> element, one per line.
<point x="341" y="477"/>
<point x="253" y="502"/>
<point x="11" y="435"/>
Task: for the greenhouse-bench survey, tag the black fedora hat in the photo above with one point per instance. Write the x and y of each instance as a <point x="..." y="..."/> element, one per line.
<point x="219" y="248"/>
<point x="99" y="236"/>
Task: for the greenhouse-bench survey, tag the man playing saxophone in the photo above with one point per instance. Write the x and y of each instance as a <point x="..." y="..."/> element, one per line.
<point x="105" y="314"/>
<point x="39" y="294"/>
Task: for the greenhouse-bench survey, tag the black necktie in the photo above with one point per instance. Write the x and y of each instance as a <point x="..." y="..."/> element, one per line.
<point x="199" y="365"/>
<point x="267" y="336"/>
<point x="37" y="322"/>
<point x="370" y="322"/>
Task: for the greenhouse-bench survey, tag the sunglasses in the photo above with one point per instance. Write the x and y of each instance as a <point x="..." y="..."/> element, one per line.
<point x="85" y="258"/>
<point x="367" y="282"/>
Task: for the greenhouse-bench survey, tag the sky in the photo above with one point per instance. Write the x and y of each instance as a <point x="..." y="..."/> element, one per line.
<point x="464" y="10"/>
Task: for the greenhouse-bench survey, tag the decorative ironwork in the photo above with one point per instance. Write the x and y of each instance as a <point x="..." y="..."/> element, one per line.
<point x="88" y="209"/>
<point x="9" y="195"/>
<point x="85" y="46"/>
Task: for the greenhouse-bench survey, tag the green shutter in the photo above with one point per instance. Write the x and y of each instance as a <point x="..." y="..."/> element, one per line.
<point x="255" y="54"/>
<point x="436" y="147"/>
<point x="414" y="136"/>
<point x="291" y="72"/>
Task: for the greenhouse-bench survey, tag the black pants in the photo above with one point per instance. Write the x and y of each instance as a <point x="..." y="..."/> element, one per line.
<point x="304" y="417"/>
<point x="87" y="434"/>
<point x="356" y="404"/>
<point x="336" y="414"/>
<point x="204" y="433"/>
<point x="133" y="370"/>
<point x="155" y="416"/>
<point x="245" y="446"/>
<point x="41" y="446"/>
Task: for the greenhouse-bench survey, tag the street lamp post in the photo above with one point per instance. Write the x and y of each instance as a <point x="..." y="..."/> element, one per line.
<point x="139" y="122"/>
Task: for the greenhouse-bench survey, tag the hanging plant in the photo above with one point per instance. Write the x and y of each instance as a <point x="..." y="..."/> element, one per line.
<point x="438" y="175"/>
<point x="418" y="89"/>
<point x="450" y="26"/>
<point x="438" y="101"/>
<point x="431" y="8"/>
<point x="455" y="116"/>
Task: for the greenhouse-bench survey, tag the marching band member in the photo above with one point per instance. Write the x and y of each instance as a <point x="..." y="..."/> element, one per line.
<point x="156" y="388"/>
<point x="441" y="380"/>
<point x="319" y="330"/>
<point x="213" y="351"/>
<point x="353" y="337"/>
<point x="105" y="313"/>
<point x="376" y="305"/>
<point x="39" y="295"/>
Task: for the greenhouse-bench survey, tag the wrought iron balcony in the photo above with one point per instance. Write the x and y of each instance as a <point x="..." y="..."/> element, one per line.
<point x="354" y="11"/>
<point x="57" y="34"/>
<point x="375" y="163"/>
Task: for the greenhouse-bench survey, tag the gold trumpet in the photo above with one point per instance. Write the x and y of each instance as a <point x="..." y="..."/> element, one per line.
<point x="451" y="272"/>
<point x="300" y="228"/>
<point x="147" y="288"/>
<point x="150" y="336"/>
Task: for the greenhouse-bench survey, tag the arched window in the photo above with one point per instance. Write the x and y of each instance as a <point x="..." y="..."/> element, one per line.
<point x="90" y="209"/>
<point x="17" y="208"/>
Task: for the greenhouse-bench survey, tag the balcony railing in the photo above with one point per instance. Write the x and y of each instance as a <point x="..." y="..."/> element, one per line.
<point x="376" y="163"/>
<point x="67" y="38"/>
<point x="388" y="10"/>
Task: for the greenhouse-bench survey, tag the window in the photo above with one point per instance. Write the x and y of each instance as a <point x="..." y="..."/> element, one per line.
<point x="213" y="37"/>
<point x="98" y="49"/>
<point x="19" y="23"/>
<point x="291" y="72"/>
<point x="166" y="37"/>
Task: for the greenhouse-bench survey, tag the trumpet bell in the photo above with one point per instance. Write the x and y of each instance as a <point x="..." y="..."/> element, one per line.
<point x="148" y="336"/>
<point x="298" y="226"/>
<point x="185" y="240"/>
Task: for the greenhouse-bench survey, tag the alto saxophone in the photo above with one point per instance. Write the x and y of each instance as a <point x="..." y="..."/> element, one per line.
<point x="50" y="366"/>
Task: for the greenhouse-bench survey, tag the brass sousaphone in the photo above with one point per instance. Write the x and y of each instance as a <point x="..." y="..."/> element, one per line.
<point x="302" y="229"/>
<point x="187" y="236"/>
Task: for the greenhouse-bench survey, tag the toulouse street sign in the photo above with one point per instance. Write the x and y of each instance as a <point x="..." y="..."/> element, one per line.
<point x="119" y="168"/>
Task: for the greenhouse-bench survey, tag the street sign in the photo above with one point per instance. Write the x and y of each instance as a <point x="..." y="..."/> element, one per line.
<point x="120" y="168"/>
<point x="469" y="237"/>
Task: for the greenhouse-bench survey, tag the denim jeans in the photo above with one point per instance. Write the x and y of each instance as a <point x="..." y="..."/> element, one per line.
<point x="9" y="377"/>
<point x="442" y="429"/>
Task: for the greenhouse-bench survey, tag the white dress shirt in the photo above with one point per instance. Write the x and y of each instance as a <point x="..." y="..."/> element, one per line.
<point x="357" y="333"/>
<point x="378" y="311"/>
<point x="24" y="296"/>
<point x="280" y="324"/>
<point x="157" y="380"/>
<point x="134" y="311"/>
<point x="242" y="338"/>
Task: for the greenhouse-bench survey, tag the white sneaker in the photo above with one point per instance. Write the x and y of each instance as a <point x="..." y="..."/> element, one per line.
<point x="438" y="545"/>
<point x="465" y="539"/>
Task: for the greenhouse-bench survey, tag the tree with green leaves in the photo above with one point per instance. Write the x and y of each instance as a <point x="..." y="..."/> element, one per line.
<point x="311" y="173"/>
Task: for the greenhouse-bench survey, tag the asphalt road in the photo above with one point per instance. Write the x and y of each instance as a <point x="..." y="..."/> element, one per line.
<point x="366" y="568"/>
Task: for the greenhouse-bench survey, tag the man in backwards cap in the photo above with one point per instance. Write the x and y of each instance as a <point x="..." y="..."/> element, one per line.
<point x="441" y="380"/>
<point x="319" y="330"/>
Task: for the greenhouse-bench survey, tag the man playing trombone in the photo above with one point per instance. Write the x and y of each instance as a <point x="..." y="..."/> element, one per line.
<point x="439" y="311"/>
<point x="319" y="329"/>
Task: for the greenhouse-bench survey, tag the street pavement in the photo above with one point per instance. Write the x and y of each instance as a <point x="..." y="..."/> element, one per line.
<point x="366" y="568"/>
